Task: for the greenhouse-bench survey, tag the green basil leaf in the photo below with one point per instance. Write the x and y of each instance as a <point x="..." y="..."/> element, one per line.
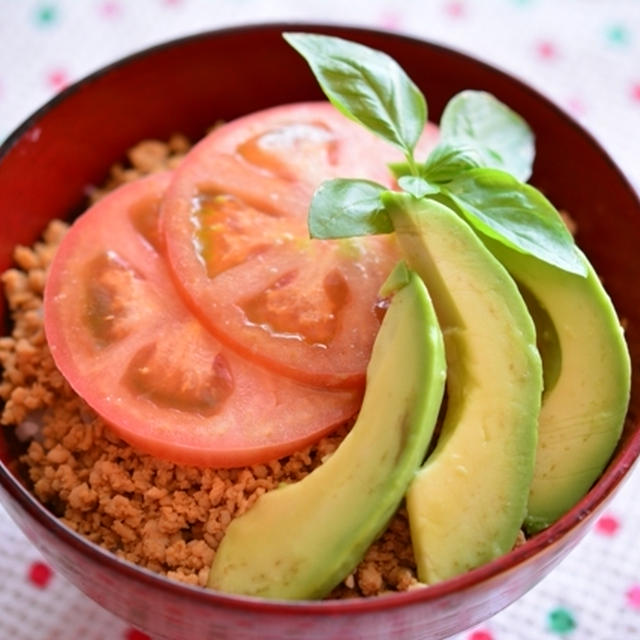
<point x="516" y="214"/>
<point x="416" y="186"/>
<point x="449" y="159"/>
<point x="343" y="208"/>
<point x="367" y="86"/>
<point x="399" y="169"/>
<point x="477" y="117"/>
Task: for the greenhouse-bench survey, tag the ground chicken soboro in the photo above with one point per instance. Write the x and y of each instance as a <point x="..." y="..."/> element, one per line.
<point x="162" y="516"/>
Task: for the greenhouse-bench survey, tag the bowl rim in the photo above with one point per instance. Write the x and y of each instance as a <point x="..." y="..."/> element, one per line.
<point x="618" y="469"/>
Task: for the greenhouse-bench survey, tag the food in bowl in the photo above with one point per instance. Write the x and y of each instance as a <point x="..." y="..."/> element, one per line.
<point x="420" y="202"/>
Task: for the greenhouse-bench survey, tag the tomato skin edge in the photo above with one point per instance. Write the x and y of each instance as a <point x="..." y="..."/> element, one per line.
<point x="319" y="411"/>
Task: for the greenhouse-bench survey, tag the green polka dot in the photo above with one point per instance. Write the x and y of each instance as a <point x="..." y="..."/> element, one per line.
<point x="523" y="3"/>
<point x="561" y="621"/>
<point x="46" y="14"/>
<point x="618" y="34"/>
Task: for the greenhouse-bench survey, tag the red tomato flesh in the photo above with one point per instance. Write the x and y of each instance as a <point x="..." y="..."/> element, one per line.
<point x="126" y="343"/>
<point x="234" y="221"/>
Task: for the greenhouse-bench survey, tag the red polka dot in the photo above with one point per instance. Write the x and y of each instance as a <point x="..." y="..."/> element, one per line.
<point x="635" y="92"/>
<point x="40" y="574"/>
<point x="546" y="50"/>
<point x="481" y="634"/>
<point x="57" y="79"/>
<point x="633" y="596"/>
<point x="455" y="9"/>
<point x="134" y="634"/>
<point x="607" y="525"/>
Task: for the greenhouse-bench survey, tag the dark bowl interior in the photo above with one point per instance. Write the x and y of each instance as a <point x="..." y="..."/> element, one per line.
<point x="185" y="86"/>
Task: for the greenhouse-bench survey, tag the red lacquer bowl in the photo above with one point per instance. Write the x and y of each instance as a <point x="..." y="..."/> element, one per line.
<point x="185" y="86"/>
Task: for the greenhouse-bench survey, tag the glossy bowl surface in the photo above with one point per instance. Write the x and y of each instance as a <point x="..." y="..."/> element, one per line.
<point x="185" y="86"/>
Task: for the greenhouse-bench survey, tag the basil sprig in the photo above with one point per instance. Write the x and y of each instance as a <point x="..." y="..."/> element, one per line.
<point x="516" y="214"/>
<point x="343" y="208"/>
<point x="499" y="135"/>
<point x="450" y="158"/>
<point x="479" y="167"/>
<point x="366" y="85"/>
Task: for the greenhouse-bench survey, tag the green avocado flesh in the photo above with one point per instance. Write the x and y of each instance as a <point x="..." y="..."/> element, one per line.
<point x="467" y="503"/>
<point x="300" y="541"/>
<point x="584" y="408"/>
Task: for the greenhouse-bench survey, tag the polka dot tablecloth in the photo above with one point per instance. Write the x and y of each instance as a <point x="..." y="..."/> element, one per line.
<point x="583" y="54"/>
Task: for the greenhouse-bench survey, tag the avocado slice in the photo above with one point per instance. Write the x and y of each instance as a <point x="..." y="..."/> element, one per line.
<point x="585" y="402"/>
<point x="300" y="541"/>
<point x="468" y="501"/>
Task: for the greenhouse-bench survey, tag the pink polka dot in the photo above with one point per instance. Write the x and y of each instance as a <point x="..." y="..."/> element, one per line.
<point x="480" y="634"/>
<point x="635" y="92"/>
<point x="390" y="20"/>
<point x="40" y="574"/>
<point x="134" y="634"/>
<point x="455" y="9"/>
<point x="576" y="106"/>
<point x="546" y="50"/>
<point x="57" y="79"/>
<point x="171" y="3"/>
<point x="607" y="525"/>
<point x="633" y="596"/>
<point x="110" y="9"/>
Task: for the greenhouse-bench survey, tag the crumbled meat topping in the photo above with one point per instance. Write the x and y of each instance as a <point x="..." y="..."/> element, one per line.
<point x="161" y="516"/>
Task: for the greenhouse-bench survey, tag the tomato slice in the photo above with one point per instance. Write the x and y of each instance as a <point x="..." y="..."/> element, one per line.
<point x="235" y="224"/>
<point x="127" y="344"/>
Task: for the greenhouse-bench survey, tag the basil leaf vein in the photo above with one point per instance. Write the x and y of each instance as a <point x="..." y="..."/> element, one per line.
<point x="367" y="86"/>
<point x="516" y="214"/>
<point x="479" y="118"/>
<point x="449" y="159"/>
<point x="417" y="186"/>
<point x="343" y="208"/>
